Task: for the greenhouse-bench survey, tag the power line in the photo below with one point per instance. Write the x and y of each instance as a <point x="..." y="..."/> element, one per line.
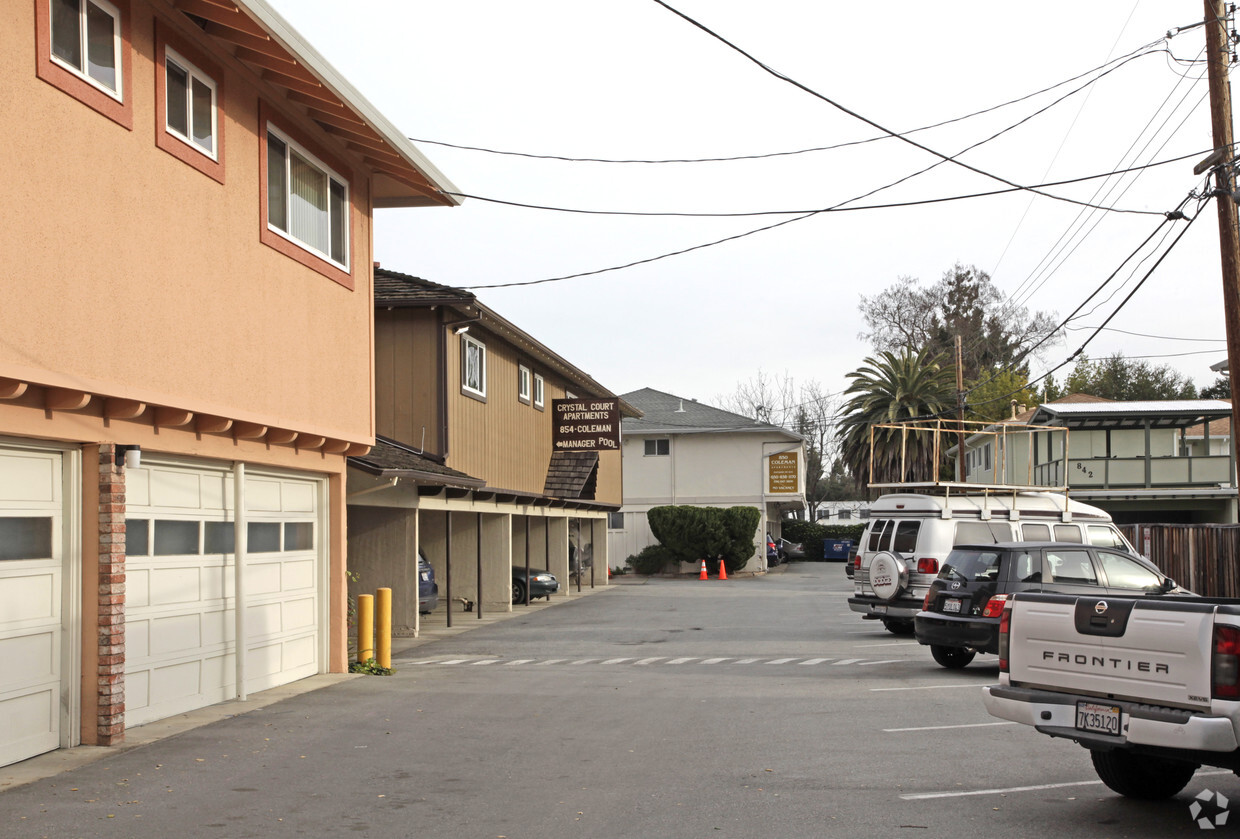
<point x="855" y="115"/>
<point x="841" y="207"/>
<point x="1139" y="52"/>
<point x="1147" y="335"/>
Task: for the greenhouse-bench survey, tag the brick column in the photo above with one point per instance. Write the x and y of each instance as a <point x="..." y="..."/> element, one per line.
<point x="111" y="666"/>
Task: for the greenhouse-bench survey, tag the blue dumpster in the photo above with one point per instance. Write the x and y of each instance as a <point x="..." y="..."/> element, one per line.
<point x="837" y="549"/>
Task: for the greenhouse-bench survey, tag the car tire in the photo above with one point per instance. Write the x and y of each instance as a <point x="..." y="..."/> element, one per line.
<point x="953" y="658"/>
<point x="898" y="627"/>
<point x="518" y="592"/>
<point x="1141" y="776"/>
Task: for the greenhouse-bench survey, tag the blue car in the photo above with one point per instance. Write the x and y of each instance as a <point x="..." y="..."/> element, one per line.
<point x="428" y="589"/>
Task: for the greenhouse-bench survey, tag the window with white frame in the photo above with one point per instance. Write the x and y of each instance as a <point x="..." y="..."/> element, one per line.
<point x="473" y="366"/>
<point x="307" y="202"/>
<point x="86" y="41"/>
<point x="539" y="386"/>
<point x="523" y="383"/>
<point x="190" y="96"/>
<point x="661" y="447"/>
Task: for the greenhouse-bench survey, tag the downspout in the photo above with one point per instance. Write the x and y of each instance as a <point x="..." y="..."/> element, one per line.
<point x="442" y="372"/>
<point x="240" y="549"/>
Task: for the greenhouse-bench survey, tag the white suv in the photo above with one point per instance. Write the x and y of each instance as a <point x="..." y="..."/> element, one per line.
<point x="909" y="536"/>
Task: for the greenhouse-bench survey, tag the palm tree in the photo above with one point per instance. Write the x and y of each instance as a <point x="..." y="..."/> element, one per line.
<point x="891" y="387"/>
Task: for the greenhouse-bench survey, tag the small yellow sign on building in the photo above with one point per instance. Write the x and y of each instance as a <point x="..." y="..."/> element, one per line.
<point x="783" y="475"/>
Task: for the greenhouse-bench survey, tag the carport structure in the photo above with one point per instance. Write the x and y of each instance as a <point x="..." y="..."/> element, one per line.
<point x="402" y="501"/>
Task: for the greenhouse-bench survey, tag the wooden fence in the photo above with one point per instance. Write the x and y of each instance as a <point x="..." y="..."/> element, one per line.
<point x="1204" y="558"/>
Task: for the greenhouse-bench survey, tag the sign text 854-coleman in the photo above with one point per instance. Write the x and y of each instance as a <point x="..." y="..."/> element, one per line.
<point x="585" y="424"/>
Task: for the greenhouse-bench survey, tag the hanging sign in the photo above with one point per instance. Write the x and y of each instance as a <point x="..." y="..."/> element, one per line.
<point x="585" y="424"/>
<point x="783" y="476"/>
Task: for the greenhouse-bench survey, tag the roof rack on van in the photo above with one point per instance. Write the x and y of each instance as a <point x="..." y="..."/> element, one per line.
<point x="991" y="450"/>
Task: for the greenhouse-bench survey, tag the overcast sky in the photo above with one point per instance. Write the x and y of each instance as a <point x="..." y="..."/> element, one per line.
<point x="628" y="79"/>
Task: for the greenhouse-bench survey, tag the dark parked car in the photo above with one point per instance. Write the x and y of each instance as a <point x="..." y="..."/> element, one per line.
<point x="539" y="584"/>
<point x="960" y="617"/>
<point x="428" y="589"/>
<point x="772" y="551"/>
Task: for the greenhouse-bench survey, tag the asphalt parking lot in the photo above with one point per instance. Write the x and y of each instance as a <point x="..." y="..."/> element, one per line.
<point x="756" y="706"/>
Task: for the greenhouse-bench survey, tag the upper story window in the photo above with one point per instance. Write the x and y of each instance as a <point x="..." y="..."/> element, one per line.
<point x="539" y="387"/>
<point x="190" y="104"/>
<point x="86" y="41"/>
<point x="661" y="447"/>
<point x="307" y="202"/>
<point x="523" y="383"/>
<point x="473" y="366"/>
<point x="82" y="48"/>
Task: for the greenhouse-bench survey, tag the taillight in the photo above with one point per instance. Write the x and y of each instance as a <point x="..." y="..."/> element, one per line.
<point x="1005" y="630"/>
<point x="925" y="604"/>
<point x="1225" y="666"/>
<point x="994" y="606"/>
<point x="857" y="561"/>
<point x="927" y="565"/>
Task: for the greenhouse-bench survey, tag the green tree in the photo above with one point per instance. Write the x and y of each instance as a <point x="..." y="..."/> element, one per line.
<point x="994" y="398"/>
<point x="995" y="333"/>
<point x="1220" y="389"/>
<point x="1125" y="379"/>
<point x="889" y="388"/>
<point x="695" y="533"/>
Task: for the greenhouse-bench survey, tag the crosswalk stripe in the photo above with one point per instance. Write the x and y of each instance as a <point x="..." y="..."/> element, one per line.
<point x="809" y="661"/>
<point x="846" y="661"/>
<point x="649" y="660"/>
<point x="780" y="660"/>
<point x="681" y="660"/>
<point x="522" y="661"/>
<point x="713" y="660"/>
<point x="617" y="660"/>
<point x="484" y="661"/>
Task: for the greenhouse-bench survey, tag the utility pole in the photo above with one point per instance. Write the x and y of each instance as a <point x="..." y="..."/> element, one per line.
<point x="959" y="411"/>
<point x="1218" y="56"/>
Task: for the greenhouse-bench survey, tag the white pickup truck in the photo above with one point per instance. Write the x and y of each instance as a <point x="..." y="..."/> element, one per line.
<point x="1151" y="686"/>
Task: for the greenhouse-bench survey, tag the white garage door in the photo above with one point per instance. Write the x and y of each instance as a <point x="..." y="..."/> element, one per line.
<point x="31" y="602"/>
<point x="180" y="621"/>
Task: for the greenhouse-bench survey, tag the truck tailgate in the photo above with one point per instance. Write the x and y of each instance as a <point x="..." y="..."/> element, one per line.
<point x="1153" y="650"/>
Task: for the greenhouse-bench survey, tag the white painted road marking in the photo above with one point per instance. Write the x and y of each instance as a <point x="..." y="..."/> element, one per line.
<point x="946" y="727"/>
<point x="926" y="687"/>
<point x="923" y="796"/>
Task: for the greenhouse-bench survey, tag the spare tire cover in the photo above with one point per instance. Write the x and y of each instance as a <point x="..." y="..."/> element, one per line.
<point x="888" y="575"/>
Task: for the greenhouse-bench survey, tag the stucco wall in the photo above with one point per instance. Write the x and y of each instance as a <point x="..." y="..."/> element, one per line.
<point x="132" y="274"/>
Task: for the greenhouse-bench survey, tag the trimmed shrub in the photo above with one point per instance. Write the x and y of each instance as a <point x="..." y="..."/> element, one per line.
<point x="811" y="535"/>
<point x="651" y="560"/>
<point x="692" y="534"/>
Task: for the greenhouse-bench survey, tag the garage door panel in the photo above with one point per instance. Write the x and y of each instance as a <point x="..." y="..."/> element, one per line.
<point x="29" y="594"/>
<point x="176" y="585"/>
<point x="172" y="489"/>
<point x="30" y="480"/>
<point x="262" y="495"/>
<point x="262" y="578"/>
<point x="297" y="497"/>
<point x="298" y="575"/>
<point x="298" y="614"/>
<point x="29" y="659"/>
<point x="31" y="723"/>
<point x="175" y="634"/>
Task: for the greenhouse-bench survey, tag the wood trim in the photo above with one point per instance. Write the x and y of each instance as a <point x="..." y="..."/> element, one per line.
<point x="185" y="152"/>
<point x="120" y="112"/>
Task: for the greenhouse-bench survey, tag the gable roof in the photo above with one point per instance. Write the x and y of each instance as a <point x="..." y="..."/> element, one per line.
<point x="664" y="413"/>
<point x="258" y="37"/>
<point x="396" y="290"/>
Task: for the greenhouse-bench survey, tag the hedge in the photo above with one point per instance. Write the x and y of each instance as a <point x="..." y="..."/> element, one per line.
<point x="811" y="535"/>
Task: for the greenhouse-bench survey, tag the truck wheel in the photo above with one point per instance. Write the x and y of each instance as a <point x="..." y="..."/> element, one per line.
<point x="898" y="627"/>
<point x="953" y="658"/>
<point x="1140" y="776"/>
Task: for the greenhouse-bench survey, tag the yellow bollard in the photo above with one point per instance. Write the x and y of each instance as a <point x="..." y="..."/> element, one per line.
<point x="383" y="621"/>
<point x="365" y="626"/>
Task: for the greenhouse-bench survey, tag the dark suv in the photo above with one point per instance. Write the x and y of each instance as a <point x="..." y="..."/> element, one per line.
<point x="960" y="617"/>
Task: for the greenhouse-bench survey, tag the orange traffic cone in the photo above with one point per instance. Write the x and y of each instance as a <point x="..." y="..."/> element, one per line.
<point x="702" y="575"/>
<point x="723" y="572"/>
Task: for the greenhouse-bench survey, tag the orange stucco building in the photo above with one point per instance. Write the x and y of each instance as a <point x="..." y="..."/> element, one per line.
<point x="187" y="260"/>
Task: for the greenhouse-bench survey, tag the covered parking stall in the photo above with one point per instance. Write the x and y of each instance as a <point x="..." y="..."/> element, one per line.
<point x="400" y="500"/>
